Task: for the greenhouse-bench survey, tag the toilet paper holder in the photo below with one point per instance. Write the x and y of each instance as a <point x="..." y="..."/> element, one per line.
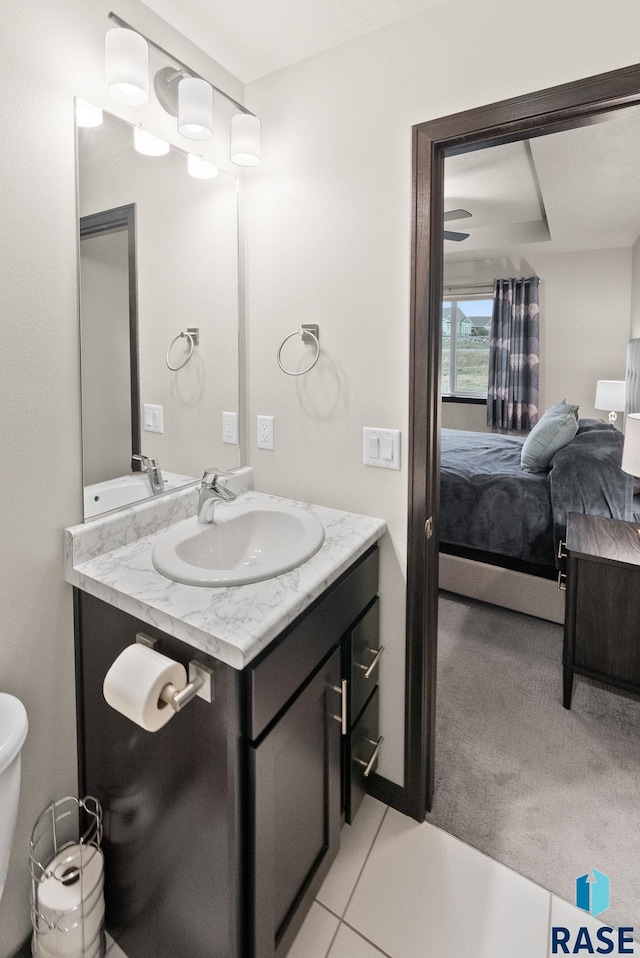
<point x="200" y="681"/>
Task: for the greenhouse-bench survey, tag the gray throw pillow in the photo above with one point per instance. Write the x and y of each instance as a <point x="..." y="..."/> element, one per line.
<point x="554" y="430"/>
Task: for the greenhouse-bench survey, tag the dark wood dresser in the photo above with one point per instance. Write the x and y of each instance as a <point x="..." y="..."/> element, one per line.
<point x="602" y="624"/>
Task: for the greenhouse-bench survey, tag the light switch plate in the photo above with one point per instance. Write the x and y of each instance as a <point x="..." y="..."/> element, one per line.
<point x="381" y="447"/>
<point x="153" y="417"/>
<point x="230" y="428"/>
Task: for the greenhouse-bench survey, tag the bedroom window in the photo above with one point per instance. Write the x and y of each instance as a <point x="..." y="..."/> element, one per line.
<point x="466" y="330"/>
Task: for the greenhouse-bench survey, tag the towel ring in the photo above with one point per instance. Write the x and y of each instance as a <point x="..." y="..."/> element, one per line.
<point x="309" y="334"/>
<point x="193" y="335"/>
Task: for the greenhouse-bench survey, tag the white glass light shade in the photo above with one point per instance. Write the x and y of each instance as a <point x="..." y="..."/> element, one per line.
<point x="127" y="66"/>
<point x="610" y="394"/>
<point x="201" y="168"/>
<point x="148" y="143"/>
<point x="631" y="450"/>
<point x="87" y="114"/>
<point x="195" y="108"/>
<point x="245" y="139"/>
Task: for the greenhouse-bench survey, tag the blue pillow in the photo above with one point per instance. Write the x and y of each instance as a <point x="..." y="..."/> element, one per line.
<point x="554" y="430"/>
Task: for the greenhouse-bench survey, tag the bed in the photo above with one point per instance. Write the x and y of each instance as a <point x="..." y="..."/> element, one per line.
<point x="492" y="511"/>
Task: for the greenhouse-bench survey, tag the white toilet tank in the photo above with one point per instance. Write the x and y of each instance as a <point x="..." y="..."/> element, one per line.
<point x="13" y="731"/>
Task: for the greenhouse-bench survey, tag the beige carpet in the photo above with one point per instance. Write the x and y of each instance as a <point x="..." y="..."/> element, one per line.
<point x="548" y="792"/>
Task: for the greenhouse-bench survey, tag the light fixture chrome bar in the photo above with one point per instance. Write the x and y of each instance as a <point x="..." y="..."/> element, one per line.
<point x="156" y="46"/>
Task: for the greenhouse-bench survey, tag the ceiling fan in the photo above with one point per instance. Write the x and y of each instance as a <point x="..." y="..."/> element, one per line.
<point x="455" y="215"/>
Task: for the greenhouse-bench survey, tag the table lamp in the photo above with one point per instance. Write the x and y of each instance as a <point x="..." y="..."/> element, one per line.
<point x="610" y="394"/>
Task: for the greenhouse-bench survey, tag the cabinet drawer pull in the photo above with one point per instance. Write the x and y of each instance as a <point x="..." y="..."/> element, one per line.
<point x="562" y="581"/>
<point x="368" y="766"/>
<point x="343" y="718"/>
<point x="562" y="549"/>
<point x="368" y="669"/>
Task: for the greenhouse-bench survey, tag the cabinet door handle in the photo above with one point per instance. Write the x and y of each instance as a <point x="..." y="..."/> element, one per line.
<point x="562" y="581"/>
<point x="562" y="550"/>
<point x="368" y="766"/>
<point x="368" y="669"/>
<point x="343" y="718"/>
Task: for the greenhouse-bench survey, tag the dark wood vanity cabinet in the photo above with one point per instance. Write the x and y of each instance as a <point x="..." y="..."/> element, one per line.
<point x="220" y="828"/>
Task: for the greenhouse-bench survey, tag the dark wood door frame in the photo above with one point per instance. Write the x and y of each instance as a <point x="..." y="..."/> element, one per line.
<point x="547" y="111"/>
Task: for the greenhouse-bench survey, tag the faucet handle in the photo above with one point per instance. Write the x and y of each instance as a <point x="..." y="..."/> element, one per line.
<point x="212" y="474"/>
<point x="216" y="480"/>
<point x="148" y="462"/>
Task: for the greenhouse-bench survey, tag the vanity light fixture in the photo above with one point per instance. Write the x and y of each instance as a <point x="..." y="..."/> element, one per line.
<point x="148" y="143"/>
<point x="182" y="93"/>
<point x="201" y="168"/>
<point x="127" y="66"/>
<point x="87" y="114"/>
<point x="195" y="108"/>
<point x="245" y="139"/>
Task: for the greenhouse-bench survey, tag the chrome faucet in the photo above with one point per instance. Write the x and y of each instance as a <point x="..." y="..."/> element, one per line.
<point x="213" y="489"/>
<point x="151" y="467"/>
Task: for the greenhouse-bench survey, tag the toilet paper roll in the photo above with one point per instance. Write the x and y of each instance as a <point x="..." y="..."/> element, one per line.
<point x="70" y="916"/>
<point x="133" y="684"/>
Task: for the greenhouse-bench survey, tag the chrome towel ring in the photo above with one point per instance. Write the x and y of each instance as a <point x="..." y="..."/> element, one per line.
<point x="310" y="335"/>
<point x="193" y="335"/>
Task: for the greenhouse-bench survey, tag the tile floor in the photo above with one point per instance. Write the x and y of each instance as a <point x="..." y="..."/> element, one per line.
<point x="406" y="890"/>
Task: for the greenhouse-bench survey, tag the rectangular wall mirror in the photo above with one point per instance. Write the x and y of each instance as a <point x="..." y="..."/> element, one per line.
<point x="158" y="257"/>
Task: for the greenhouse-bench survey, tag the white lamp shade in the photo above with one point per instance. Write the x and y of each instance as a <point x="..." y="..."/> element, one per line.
<point x="201" y="168"/>
<point x="245" y="139"/>
<point x="610" y="394"/>
<point x="127" y="66"/>
<point x="195" y="108"/>
<point x="631" y="450"/>
<point x="87" y="114"/>
<point x="148" y="143"/>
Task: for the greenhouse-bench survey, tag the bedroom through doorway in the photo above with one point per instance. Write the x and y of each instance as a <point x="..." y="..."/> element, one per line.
<point x="517" y="775"/>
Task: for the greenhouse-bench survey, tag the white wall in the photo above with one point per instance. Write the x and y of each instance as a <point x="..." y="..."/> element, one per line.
<point x="635" y="290"/>
<point x="49" y="51"/>
<point x="585" y="301"/>
<point x="329" y="227"/>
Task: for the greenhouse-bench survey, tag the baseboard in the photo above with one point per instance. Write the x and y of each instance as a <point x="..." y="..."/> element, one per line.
<point x="531" y="595"/>
<point x="388" y="792"/>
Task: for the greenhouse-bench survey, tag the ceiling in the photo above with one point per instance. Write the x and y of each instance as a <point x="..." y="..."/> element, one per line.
<point x="256" y="37"/>
<point x="575" y="190"/>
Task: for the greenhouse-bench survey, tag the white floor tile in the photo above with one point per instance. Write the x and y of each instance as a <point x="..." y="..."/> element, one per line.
<point x="423" y="892"/>
<point x="315" y="936"/>
<point x="355" y="842"/>
<point x="568" y="916"/>
<point x="349" y="945"/>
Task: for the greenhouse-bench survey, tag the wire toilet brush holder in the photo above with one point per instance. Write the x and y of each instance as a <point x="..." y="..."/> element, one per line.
<point x="67" y="880"/>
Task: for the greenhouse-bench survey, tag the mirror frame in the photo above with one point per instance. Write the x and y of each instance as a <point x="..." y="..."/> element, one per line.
<point x="558" y="108"/>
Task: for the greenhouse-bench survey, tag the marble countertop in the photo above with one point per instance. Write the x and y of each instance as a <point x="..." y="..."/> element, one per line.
<point x="111" y="559"/>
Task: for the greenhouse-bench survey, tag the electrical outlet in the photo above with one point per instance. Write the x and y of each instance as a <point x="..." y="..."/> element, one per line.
<point x="230" y="427"/>
<point x="265" y="432"/>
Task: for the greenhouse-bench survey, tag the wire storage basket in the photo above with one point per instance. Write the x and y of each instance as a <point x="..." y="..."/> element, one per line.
<point x="67" y="880"/>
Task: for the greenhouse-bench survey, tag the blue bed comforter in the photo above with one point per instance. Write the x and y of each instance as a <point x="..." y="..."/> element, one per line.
<point x="488" y="503"/>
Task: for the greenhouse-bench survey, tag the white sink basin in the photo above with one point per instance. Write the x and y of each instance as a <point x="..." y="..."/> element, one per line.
<point x="246" y="543"/>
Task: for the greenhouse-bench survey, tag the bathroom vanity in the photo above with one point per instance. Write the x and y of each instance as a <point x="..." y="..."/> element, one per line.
<point x="220" y="828"/>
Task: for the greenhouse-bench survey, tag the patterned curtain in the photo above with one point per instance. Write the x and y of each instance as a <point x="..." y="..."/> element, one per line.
<point x="512" y="395"/>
